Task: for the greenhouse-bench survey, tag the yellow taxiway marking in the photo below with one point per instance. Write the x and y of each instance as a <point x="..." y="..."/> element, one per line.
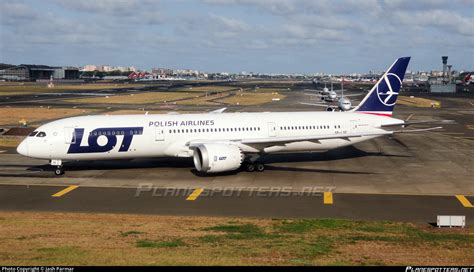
<point x="464" y="201"/>
<point x="195" y="194"/>
<point x="328" y="198"/>
<point x="65" y="191"/>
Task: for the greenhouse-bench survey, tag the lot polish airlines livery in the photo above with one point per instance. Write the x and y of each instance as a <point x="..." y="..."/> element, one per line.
<point x="217" y="141"/>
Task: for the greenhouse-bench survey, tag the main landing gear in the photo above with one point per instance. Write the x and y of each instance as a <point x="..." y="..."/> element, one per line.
<point x="59" y="167"/>
<point x="251" y="163"/>
<point x="250" y="167"/>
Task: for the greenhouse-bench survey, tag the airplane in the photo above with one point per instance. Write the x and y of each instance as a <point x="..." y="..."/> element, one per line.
<point x="327" y="95"/>
<point x="467" y="79"/>
<point x="343" y="103"/>
<point x="220" y="142"/>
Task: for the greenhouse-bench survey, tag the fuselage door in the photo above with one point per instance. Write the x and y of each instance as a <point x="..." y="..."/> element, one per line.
<point x="159" y="134"/>
<point x="271" y="129"/>
<point x="69" y="135"/>
<point x="353" y="126"/>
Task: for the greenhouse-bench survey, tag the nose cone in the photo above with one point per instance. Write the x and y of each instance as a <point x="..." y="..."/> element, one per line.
<point x="23" y="148"/>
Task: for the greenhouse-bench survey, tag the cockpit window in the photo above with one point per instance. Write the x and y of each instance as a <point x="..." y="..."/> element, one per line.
<point x="41" y="134"/>
<point x="32" y="134"/>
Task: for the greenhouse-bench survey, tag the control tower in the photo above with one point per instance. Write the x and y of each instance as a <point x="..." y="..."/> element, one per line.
<point x="445" y="65"/>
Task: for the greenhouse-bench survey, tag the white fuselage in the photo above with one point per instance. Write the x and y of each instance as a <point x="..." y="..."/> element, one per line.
<point x="157" y="135"/>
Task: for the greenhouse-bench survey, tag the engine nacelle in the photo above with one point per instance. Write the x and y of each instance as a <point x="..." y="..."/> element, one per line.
<point x="214" y="158"/>
<point x="330" y="109"/>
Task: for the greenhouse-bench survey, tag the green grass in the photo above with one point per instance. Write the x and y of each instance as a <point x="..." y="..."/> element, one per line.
<point x="211" y="238"/>
<point x="306" y="225"/>
<point x="131" y="232"/>
<point x="61" y="252"/>
<point x="421" y="235"/>
<point x="240" y="232"/>
<point x="367" y="228"/>
<point x="356" y="238"/>
<point x="319" y="246"/>
<point x="235" y="228"/>
<point x="160" y="244"/>
<point x="225" y="241"/>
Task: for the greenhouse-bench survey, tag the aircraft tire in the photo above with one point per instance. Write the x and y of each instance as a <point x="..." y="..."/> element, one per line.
<point x="250" y="167"/>
<point x="59" y="171"/>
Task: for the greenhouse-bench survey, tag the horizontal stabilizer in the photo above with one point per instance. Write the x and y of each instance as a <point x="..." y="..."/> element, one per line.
<point x="416" y="130"/>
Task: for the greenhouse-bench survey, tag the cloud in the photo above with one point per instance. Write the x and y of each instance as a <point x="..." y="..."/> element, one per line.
<point x="235" y="31"/>
<point x="229" y="24"/>
<point x="113" y="7"/>
<point x="447" y="21"/>
<point x="15" y="13"/>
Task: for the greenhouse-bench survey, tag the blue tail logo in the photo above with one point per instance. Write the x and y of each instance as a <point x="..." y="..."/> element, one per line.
<point x="383" y="96"/>
<point x="386" y="87"/>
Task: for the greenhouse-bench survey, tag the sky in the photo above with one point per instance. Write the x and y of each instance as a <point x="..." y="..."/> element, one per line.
<point x="266" y="36"/>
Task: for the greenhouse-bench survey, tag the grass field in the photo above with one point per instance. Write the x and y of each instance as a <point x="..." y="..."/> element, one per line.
<point x="251" y="98"/>
<point x="120" y="112"/>
<point x="418" y="102"/>
<point x="29" y="238"/>
<point x="32" y="88"/>
<point x="14" y="115"/>
<point x="202" y="100"/>
<point x="10" y="141"/>
<point x="207" y="89"/>
<point x="141" y="98"/>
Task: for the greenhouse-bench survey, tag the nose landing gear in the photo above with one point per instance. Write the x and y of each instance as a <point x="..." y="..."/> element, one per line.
<point x="59" y="167"/>
<point x="59" y="171"/>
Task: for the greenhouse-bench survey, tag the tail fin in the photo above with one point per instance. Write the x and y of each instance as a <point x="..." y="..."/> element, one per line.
<point x="382" y="97"/>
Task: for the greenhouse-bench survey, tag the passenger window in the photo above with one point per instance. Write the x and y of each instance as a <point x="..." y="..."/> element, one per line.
<point x="32" y="134"/>
<point x="41" y="134"/>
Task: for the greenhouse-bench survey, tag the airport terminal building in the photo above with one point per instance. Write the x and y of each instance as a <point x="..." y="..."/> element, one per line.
<point x="29" y="72"/>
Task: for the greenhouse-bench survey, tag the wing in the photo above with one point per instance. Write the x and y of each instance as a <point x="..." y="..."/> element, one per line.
<point x="284" y="140"/>
<point x="314" y="104"/>
<point x="409" y="123"/>
<point x="351" y="95"/>
<point x="221" y="110"/>
<point x="253" y="145"/>
<point x="271" y="141"/>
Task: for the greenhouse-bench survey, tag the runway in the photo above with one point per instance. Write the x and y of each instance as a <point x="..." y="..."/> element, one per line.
<point x="271" y="203"/>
